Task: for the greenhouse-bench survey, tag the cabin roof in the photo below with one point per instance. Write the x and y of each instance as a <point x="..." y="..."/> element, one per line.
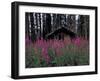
<point x="59" y="30"/>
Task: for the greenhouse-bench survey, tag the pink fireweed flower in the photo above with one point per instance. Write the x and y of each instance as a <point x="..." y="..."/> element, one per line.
<point x="67" y="40"/>
<point x="77" y="41"/>
<point x="84" y="43"/>
<point x="42" y="43"/>
<point x="81" y="42"/>
<point x="62" y="45"/>
<point x="27" y="41"/>
<point x="57" y="44"/>
<point x="45" y="54"/>
<point x="39" y="43"/>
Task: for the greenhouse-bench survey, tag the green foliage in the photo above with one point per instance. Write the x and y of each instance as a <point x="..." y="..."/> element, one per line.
<point x="72" y="55"/>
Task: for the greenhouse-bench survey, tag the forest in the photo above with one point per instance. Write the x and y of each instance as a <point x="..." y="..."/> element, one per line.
<point x="53" y="39"/>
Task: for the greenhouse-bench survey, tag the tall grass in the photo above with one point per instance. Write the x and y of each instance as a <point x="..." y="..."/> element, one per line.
<point x="49" y="53"/>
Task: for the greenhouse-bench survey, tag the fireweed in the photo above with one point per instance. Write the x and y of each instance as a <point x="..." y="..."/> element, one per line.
<point x="54" y="52"/>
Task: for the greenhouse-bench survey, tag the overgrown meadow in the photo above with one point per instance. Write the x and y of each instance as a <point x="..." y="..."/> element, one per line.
<point x="54" y="52"/>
